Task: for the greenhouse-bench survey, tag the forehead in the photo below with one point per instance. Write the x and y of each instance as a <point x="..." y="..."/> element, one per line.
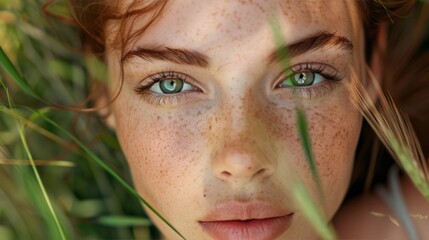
<point x="222" y="29"/>
<point x="205" y="24"/>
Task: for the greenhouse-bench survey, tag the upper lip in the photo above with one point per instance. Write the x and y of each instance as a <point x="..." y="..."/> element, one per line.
<point x="236" y="210"/>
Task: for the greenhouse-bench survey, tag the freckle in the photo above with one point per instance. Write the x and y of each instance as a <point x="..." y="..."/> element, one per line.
<point x="218" y="26"/>
<point x="285" y="12"/>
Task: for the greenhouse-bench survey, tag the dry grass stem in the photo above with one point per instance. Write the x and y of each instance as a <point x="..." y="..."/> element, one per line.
<point x="393" y="129"/>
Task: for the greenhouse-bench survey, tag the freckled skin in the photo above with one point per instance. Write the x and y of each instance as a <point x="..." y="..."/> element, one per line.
<point x="236" y="139"/>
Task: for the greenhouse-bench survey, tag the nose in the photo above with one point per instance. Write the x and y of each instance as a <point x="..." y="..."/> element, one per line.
<point x="245" y="156"/>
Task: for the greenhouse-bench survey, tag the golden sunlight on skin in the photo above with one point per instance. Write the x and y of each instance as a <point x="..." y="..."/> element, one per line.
<point x="220" y="152"/>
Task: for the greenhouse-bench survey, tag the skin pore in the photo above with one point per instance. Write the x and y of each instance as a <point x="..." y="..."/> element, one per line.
<point x="217" y="150"/>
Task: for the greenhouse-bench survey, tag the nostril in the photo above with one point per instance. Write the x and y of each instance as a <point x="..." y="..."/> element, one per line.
<point x="227" y="174"/>
<point x="261" y="172"/>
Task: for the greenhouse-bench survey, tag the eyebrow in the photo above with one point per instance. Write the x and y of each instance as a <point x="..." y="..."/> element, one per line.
<point x="191" y="57"/>
<point x="311" y="43"/>
<point x="179" y="56"/>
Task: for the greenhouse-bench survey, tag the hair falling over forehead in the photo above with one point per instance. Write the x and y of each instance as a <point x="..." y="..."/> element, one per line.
<point x="92" y="17"/>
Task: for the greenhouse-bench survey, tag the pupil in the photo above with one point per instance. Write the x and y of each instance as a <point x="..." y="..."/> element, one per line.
<point x="301" y="78"/>
<point x="171" y="85"/>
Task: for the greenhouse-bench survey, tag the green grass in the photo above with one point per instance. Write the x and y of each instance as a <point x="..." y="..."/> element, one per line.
<point x="50" y="187"/>
<point x="302" y="197"/>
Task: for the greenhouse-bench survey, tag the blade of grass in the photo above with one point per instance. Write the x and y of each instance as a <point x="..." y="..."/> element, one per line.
<point x="282" y="53"/>
<point x="39" y="181"/>
<point x="10" y="68"/>
<point x="304" y="135"/>
<point x="11" y="112"/>
<point x="8" y="97"/>
<point x="124" y="221"/>
<point x="301" y="120"/>
<point x="20" y="162"/>
<point x="311" y="212"/>
<point x="393" y="129"/>
<point x="302" y="197"/>
<point x="20" y="122"/>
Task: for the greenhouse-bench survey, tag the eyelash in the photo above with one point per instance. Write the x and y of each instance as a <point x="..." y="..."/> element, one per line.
<point x="326" y="71"/>
<point x="320" y="89"/>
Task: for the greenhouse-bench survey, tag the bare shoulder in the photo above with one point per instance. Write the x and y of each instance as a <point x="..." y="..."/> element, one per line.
<point x="368" y="217"/>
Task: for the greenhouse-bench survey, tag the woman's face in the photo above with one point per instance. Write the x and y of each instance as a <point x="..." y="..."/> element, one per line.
<point x="206" y="115"/>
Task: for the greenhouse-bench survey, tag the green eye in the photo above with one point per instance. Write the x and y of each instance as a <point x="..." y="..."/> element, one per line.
<point x="301" y="79"/>
<point x="169" y="83"/>
<point x="170" y="86"/>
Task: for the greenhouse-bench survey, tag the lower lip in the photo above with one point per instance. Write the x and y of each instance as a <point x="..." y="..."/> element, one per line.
<point x="267" y="228"/>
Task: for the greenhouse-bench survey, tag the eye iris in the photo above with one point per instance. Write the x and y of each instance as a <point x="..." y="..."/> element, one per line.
<point x="303" y="78"/>
<point x="170" y="86"/>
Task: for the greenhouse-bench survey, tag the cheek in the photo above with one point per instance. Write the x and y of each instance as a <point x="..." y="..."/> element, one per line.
<point x="164" y="150"/>
<point x="334" y="128"/>
<point x="336" y="131"/>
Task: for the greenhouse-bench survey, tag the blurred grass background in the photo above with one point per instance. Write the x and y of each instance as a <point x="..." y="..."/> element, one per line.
<point x="89" y="203"/>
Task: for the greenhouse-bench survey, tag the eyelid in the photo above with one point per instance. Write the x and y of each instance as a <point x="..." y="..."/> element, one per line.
<point x="317" y="67"/>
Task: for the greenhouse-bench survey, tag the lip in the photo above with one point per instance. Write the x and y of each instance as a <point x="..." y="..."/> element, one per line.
<point x="252" y="220"/>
